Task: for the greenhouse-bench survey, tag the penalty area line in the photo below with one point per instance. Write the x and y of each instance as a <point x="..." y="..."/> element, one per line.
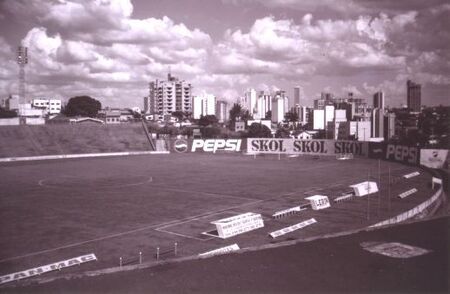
<point x="181" y="235"/>
<point x="85" y="242"/>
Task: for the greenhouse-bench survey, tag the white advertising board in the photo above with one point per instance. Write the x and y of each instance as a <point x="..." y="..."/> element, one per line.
<point x="433" y="158"/>
<point x="287" y="211"/>
<point x="47" y="268"/>
<point x="364" y="188"/>
<point x="435" y="180"/>
<point x="220" y="251"/>
<point x="318" y="202"/>
<point x="407" y="193"/>
<point x="293" y="228"/>
<point x="313" y="147"/>
<point x="238" y="224"/>
<point x="411" y="175"/>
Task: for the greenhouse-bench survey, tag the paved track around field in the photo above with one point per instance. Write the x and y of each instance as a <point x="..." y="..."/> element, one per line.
<point x="322" y="266"/>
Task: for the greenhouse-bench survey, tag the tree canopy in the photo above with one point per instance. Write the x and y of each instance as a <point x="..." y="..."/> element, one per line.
<point x="291" y="116"/>
<point x="282" y="133"/>
<point x="257" y="130"/>
<point x="208" y="120"/>
<point x="82" y="106"/>
<point x="235" y="112"/>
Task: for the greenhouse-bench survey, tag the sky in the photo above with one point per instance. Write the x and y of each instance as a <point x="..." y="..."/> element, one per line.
<point x="111" y="49"/>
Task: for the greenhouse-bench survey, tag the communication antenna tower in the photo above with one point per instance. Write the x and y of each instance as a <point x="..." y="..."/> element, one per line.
<point x="22" y="60"/>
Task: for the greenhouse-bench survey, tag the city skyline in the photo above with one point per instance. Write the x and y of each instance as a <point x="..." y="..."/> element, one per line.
<point x="111" y="50"/>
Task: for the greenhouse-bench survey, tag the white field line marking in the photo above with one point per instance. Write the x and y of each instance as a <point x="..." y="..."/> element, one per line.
<point x="149" y="180"/>
<point x="200" y="192"/>
<point x="82" y="242"/>
<point x="181" y="235"/>
<point x="155" y="227"/>
<point x="200" y="216"/>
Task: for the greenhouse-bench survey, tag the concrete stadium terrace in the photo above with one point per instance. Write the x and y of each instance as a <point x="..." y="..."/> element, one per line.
<point x="117" y="207"/>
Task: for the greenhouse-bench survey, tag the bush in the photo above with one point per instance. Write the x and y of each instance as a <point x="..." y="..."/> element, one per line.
<point x="257" y="130"/>
<point x="210" y="132"/>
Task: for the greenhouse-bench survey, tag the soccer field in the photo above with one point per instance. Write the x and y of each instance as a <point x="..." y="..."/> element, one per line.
<point x="117" y="207"/>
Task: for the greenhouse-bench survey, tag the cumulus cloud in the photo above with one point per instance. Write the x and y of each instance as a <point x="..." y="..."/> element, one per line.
<point x="99" y="47"/>
<point x="323" y="46"/>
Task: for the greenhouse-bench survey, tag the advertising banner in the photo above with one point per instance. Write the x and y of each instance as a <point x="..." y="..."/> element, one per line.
<point x="377" y="150"/>
<point x="402" y="153"/>
<point x="433" y="158"/>
<point x="207" y="145"/>
<point x="313" y="147"/>
<point x="238" y="224"/>
<point x="220" y="251"/>
<point x="47" y="268"/>
<point x="295" y="227"/>
<point x="364" y="188"/>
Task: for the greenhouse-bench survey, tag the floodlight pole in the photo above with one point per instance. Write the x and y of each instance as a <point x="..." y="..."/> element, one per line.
<point x="389" y="187"/>
<point x="379" y="186"/>
<point x="368" y="196"/>
<point x="22" y="60"/>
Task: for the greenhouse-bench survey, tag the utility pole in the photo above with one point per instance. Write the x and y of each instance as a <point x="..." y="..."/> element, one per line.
<point x="22" y="60"/>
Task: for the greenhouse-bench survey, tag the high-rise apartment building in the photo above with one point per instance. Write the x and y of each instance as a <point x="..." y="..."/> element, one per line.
<point x="303" y="114"/>
<point x="318" y="119"/>
<point x="298" y="95"/>
<point x="326" y="96"/>
<point x="389" y="123"/>
<point x="378" y="100"/>
<point x="222" y="112"/>
<point x="279" y="106"/>
<point x="264" y="104"/>
<point x="250" y="101"/>
<point x="203" y="105"/>
<point x="377" y="123"/>
<point x="413" y="95"/>
<point x="166" y="97"/>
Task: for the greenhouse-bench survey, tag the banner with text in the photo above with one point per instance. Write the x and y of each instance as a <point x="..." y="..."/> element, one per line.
<point x="47" y="268"/>
<point x="433" y="158"/>
<point x="313" y="147"/>
<point x="394" y="152"/>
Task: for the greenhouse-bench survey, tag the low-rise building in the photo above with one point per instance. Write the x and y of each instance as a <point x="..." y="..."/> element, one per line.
<point x="50" y="106"/>
<point x="239" y="126"/>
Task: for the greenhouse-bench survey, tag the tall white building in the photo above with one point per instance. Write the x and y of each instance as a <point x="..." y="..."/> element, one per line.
<point x="264" y="104"/>
<point x="222" y="113"/>
<point x="339" y="122"/>
<point x="279" y="106"/>
<point x="329" y="114"/>
<point x="203" y="105"/>
<point x="359" y="130"/>
<point x="166" y="97"/>
<point x="250" y="101"/>
<point x="377" y="123"/>
<point x="319" y="119"/>
<point x="363" y="130"/>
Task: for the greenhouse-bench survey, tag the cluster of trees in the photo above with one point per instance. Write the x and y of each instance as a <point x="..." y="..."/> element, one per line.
<point x="82" y="106"/>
